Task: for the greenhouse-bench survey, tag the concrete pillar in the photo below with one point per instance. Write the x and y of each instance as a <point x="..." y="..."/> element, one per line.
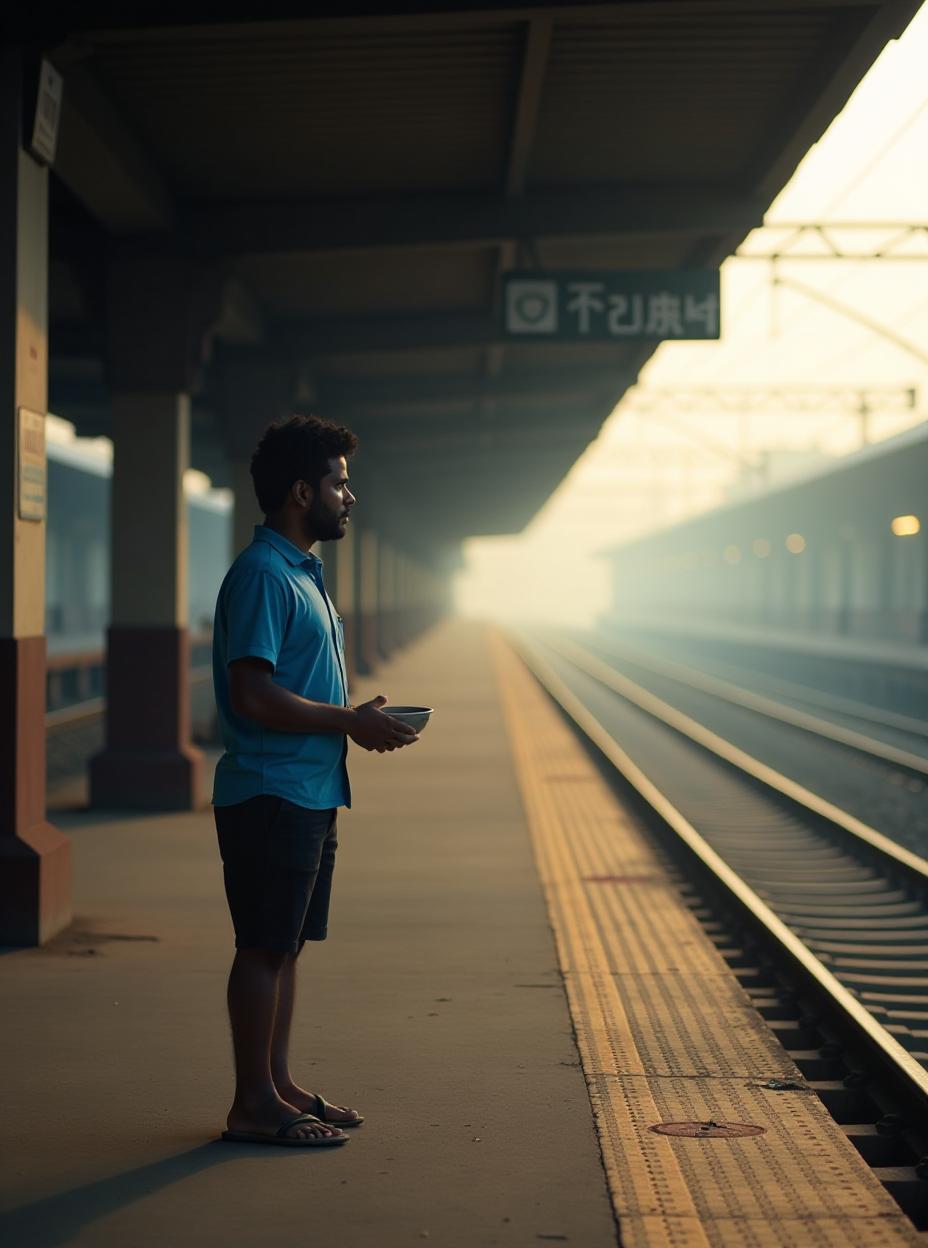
<point x="421" y="613"/>
<point x="159" y="317"/>
<point x="338" y="568"/>
<point x="35" y="859"/>
<point x="340" y="557"/>
<point x="367" y="587"/>
<point x="386" y="600"/>
<point x="411" y="597"/>
<point x="402" y="630"/>
<point x="249" y="395"/>
<point x="423" y="597"/>
<point x="148" y="760"/>
<point x="245" y="511"/>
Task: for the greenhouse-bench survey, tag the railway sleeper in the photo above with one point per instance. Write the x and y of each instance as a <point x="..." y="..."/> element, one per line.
<point x="894" y="1147"/>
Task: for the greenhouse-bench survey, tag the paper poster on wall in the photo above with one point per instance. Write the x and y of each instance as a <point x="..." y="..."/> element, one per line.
<point x="32" y="470"/>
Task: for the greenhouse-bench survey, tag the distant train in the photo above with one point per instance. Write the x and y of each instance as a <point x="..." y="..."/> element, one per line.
<point x="840" y="553"/>
<point x="77" y="568"/>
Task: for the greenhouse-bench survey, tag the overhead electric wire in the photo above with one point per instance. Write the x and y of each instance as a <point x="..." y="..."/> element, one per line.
<point x="877" y="158"/>
<point x="829" y="207"/>
<point x="719" y="364"/>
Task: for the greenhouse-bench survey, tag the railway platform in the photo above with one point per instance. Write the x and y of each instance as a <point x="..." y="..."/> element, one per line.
<point x="513" y="992"/>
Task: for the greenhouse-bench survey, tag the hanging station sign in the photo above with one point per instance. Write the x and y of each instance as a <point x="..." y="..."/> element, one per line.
<point x="32" y="471"/>
<point x="612" y="306"/>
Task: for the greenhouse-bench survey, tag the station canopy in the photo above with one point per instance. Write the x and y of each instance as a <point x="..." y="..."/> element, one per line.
<point x="362" y="181"/>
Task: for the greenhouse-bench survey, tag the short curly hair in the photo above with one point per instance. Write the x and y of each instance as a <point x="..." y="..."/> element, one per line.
<point x="297" y="449"/>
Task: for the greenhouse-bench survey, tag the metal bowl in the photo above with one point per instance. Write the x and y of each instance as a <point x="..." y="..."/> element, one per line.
<point x="415" y="716"/>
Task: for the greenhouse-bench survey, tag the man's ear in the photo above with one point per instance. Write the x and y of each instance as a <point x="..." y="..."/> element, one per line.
<point x="302" y="493"/>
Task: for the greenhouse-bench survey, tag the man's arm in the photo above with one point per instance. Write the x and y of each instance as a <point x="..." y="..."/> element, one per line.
<point x="254" y="694"/>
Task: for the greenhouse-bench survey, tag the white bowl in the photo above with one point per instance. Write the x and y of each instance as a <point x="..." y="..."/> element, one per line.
<point x="415" y="716"/>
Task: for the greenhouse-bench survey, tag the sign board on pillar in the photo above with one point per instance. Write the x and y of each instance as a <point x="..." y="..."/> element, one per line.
<point x="615" y="305"/>
<point x="31" y="465"/>
<point x="44" y="140"/>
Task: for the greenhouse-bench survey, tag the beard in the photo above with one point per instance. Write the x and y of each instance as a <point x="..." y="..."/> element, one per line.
<point x="323" y="524"/>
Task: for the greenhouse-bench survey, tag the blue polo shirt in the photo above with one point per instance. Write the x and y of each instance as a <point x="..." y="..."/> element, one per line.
<point x="273" y="605"/>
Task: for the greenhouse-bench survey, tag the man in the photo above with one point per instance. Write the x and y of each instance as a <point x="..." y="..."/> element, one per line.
<point x="282" y="698"/>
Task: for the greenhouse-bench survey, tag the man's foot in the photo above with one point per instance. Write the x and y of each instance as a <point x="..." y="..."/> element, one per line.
<point x="313" y="1103"/>
<point x="268" y="1118"/>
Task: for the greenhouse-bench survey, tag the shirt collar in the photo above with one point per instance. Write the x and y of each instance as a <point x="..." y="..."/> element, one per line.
<point x="291" y="553"/>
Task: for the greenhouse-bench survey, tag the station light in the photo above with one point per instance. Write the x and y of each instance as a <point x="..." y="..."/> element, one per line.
<point x="906" y="526"/>
<point x="795" y="543"/>
<point x="732" y="554"/>
<point x="761" y="547"/>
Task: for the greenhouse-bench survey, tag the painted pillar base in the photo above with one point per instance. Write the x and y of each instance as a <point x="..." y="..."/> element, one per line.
<point x="148" y="762"/>
<point x="35" y="885"/>
<point x="35" y="858"/>
<point x="147" y="779"/>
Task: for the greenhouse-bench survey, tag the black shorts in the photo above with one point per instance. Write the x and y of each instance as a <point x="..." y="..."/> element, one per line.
<point x="278" y="859"/>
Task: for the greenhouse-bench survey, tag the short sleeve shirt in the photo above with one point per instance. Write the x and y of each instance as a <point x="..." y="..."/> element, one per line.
<point x="273" y="605"/>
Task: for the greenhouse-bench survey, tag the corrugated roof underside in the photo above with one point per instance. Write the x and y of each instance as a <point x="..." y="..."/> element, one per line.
<point x="429" y="363"/>
<point x="321" y="115"/>
<point x="657" y="251"/>
<point x="628" y="96"/>
<point x="672" y="99"/>
<point x="401" y="280"/>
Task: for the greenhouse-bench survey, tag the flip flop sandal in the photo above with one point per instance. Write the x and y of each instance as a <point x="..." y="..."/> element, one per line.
<point x="281" y="1137"/>
<point x="320" y="1109"/>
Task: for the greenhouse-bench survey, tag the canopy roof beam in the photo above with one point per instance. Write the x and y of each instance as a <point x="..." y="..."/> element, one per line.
<point x="545" y="384"/>
<point x="103" y="163"/>
<point x="461" y="220"/>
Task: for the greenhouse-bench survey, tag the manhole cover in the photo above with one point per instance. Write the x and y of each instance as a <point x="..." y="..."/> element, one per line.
<point x="708" y="1130"/>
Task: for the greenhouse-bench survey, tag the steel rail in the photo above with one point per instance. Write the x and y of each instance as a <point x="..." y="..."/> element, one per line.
<point x="808" y="694"/>
<point x="730" y="753"/>
<point x="905" y="1067"/>
<point x="771" y="708"/>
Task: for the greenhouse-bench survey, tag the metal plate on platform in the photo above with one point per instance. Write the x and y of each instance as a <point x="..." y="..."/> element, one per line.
<point x="708" y="1130"/>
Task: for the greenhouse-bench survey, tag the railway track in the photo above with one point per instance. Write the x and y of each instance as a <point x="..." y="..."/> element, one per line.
<point x="838" y="904"/>
<point x="873" y="729"/>
<point x="881" y="783"/>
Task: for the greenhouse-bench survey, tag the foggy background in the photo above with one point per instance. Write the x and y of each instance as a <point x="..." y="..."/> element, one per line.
<point x="654" y="463"/>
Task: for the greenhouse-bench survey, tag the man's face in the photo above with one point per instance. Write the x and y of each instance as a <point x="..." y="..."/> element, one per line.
<point x="327" y="517"/>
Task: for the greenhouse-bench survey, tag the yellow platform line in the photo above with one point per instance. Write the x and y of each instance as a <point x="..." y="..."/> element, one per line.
<point x="601" y="1023"/>
<point x="664" y="1031"/>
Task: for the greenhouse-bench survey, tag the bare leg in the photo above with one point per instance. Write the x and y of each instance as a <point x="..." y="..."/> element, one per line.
<point x="289" y="1091"/>
<point x="280" y="1038"/>
<point x="253" y="996"/>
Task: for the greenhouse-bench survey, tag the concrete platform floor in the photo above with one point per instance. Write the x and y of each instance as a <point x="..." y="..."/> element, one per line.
<point x="435" y="1007"/>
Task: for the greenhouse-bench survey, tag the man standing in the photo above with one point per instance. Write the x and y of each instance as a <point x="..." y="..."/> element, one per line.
<point x="282" y="699"/>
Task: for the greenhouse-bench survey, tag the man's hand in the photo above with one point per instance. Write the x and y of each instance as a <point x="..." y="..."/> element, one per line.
<point x="373" y="730"/>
